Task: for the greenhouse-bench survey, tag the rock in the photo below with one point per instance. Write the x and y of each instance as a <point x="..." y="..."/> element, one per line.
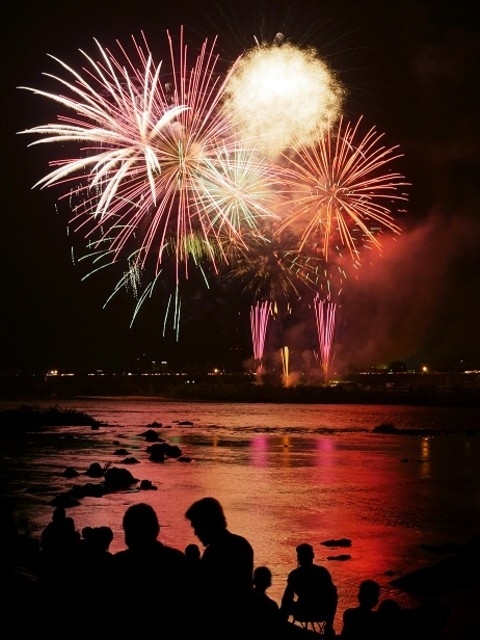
<point x="385" y="427"/>
<point x="172" y="450"/>
<point x="147" y="485"/>
<point x="95" y="470"/>
<point x="153" y="425"/>
<point x="91" y="489"/>
<point x="70" y="472"/>
<point x="117" y="479"/>
<point x="157" y="452"/>
<point x="64" y="500"/>
<point x="448" y="574"/>
<point x="150" y="435"/>
<point x="340" y="542"/>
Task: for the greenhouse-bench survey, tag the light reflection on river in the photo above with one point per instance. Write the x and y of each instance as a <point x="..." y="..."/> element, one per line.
<point x="285" y="474"/>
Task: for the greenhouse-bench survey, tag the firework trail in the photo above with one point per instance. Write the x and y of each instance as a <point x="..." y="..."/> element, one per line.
<point x="280" y="95"/>
<point x="259" y="316"/>
<point x="285" y="358"/>
<point x="325" y="314"/>
<point x="342" y="191"/>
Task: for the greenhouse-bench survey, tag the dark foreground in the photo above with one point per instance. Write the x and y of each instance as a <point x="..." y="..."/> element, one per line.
<point x="74" y="585"/>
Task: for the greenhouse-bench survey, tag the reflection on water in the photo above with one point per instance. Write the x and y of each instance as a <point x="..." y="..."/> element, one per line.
<point x="285" y="474"/>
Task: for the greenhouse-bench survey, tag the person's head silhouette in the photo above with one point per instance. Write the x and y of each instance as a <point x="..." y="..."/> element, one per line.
<point x="192" y="552"/>
<point x="59" y="513"/>
<point x="305" y="554"/>
<point x="368" y="593"/>
<point x="207" y="519"/>
<point x="140" y="525"/>
<point x="262" y="578"/>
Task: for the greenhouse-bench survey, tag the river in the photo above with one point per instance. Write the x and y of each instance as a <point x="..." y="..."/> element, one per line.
<point x="285" y="474"/>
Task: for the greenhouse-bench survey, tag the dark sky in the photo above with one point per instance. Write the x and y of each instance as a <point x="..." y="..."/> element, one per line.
<point x="410" y="68"/>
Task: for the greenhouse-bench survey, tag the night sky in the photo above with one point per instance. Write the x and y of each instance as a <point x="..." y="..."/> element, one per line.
<point x="410" y="68"/>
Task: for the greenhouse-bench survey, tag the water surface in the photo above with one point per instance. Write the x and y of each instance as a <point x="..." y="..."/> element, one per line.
<point x="285" y="474"/>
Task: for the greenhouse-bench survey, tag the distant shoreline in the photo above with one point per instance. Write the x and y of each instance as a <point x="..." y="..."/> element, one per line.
<point x="391" y="390"/>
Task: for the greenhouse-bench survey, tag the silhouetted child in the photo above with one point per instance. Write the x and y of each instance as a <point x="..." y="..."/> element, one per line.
<point x="391" y="620"/>
<point x="361" y="622"/>
<point x="270" y="624"/>
<point x="266" y="610"/>
<point x="96" y="559"/>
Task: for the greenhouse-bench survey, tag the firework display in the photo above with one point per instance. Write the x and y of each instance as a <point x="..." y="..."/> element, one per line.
<point x="174" y="167"/>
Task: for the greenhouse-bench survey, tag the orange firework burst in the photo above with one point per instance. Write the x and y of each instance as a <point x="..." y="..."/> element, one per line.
<point x="342" y="190"/>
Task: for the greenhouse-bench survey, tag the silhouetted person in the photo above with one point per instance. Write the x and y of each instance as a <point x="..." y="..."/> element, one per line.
<point x="60" y="538"/>
<point x="150" y="578"/>
<point x="226" y="570"/>
<point x="310" y="594"/>
<point x="269" y="622"/>
<point x="96" y="558"/>
<point x="266" y="610"/>
<point x="59" y="573"/>
<point x="391" y="621"/>
<point x="361" y="622"/>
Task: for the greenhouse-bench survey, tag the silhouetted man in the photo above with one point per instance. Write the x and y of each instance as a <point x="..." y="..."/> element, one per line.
<point x="150" y="578"/>
<point x="226" y="570"/>
<point x="310" y="594"/>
